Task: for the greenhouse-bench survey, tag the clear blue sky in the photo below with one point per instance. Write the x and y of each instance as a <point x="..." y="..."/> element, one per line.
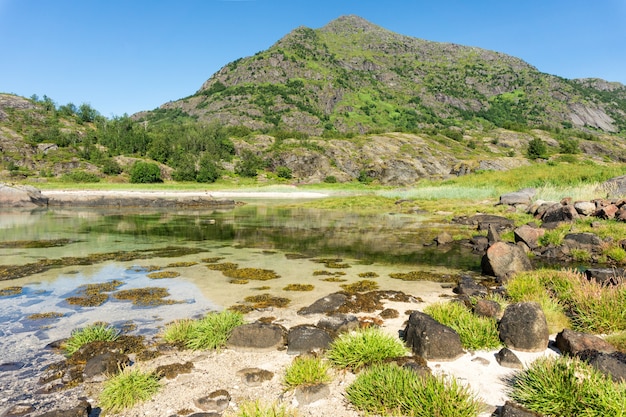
<point x="124" y="56"/>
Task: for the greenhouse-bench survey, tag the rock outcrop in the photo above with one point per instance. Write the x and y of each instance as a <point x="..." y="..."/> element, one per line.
<point x="21" y="196"/>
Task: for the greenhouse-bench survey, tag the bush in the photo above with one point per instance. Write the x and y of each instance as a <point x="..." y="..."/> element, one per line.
<point x="388" y="389"/>
<point x="306" y="370"/>
<point x="145" y="173"/>
<point x="284" y="172"/>
<point x="330" y="179"/>
<point x="564" y="387"/>
<point x="128" y="388"/>
<point x="475" y="332"/>
<point x="80" y="176"/>
<point x="249" y="164"/>
<point x="208" y="171"/>
<point x="95" y="332"/>
<point x="364" y="347"/>
<point x="210" y="332"/>
<point x="536" y="149"/>
<point x="110" y="167"/>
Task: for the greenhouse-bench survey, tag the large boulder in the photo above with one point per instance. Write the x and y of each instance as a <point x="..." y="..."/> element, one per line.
<point x="529" y="235"/>
<point x="615" y="187"/>
<point x="523" y="196"/>
<point x="572" y="343"/>
<point x="585" y="241"/>
<point x="324" y="305"/>
<point x="21" y="196"/>
<point x="524" y="327"/>
<point x="503" y="259"/>
<point x="430" y="339"/>
<point x="611" y="364"/>
<point x="559" y="213"/>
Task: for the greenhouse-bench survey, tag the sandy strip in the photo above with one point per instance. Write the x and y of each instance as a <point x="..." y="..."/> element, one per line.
<point x="82" y="194"/>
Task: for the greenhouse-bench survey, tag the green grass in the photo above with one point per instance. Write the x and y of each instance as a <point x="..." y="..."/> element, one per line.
<point x="364" y="347"/>
<point x="209" y="332"/>
<point x="128" y="388"/>
<point x="476" y="332"/>
<point x="306" y="370"/>
<point x="261" y="409"/>
<point x="388" y="389"/>
<point x="92" y="333"/>
<point x="565" y="387"/>
<point x="618" y="340"/>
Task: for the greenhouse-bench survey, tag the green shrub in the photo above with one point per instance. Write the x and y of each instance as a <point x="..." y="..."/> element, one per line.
<point x="284" y="172"/>
<point x="618" y="340"/>
<point x="388" y="389"/>
<point x="616" y="253"/>
<point x="306" y="370"/>
<point x="145" y="173"/>
<point x="475" y="332"/>
<point x="537" y="149"/>
<point x="111" y="167"/>
<point x="210" y="332"/>
<point x="330" y="179"/>
<point x="95" y="332"/>
<point x="80" y="176"/>
<point x="565" y="387"/>
<point x="260" y="409"/>
<point x="364" y="347"/>
<point x="128" y="388"/>
<point x="249" y="164"/>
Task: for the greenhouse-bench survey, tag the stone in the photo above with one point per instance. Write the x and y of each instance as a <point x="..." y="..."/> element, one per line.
<point x="585" y="208"/>
<point x="607" y="212"/>
<point x="324" y="305"/>
<point x="529" y="235"/>
<point x="338" y="323"/>
<point x="558" y="213"/>
<point x="307" y="338"/>
<point x="430" y="339"/>
<point x="469" y="287"/>
<point x="507" y="359"/>
<point x="614" y="187"/>
<point x="108" y="363"/>
<point x="610" y="364"/>
<point x="21" y="196"/>
<point x="585" y="241"/>
<point x="255" y="376"/>
<point x="511" y="409"/>
<point x="81" y="410"/>
<point x="492" y="234"/>
<point x="256" y="336"/>
<point x="523" y="196"/>
<point x="503" y="259"/>
<point x="524" y="327"/>
<point x="444" y="238"/>
<point x="606" y="276"/>
<point x="216" y="401"/>
<point x="482" y="222"/>
<point x="487" y="308"/>
<point x="308" y="394"/>
<point x="570" y="342"/>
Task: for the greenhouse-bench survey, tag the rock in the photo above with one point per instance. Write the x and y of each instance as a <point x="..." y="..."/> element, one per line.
<point x="482" y="222"/>
<point x="256" y="336"/>
<point x="109" y="363"/>
<point x="558" y="213"/>
<point x="504" y="259"/>
<point x="607" y="212"/>
<point x="172" y="370"/>
<point x="615" y="187"/>
<point x="215" y="402"/>
<point x="338" y="323"/>
<point x="81" y="410"/>
<point x="310" y="393"/>
<point x="254" y="376"/>
<point x="328" y="304"/>
<point x="524" y="327"/>
<point x="492" y="234"/>
<point x="585" y="241"/>
<point x="430" y="339"/>
<point x="606" y="276"/>
<point x="610" y="364"/>
<point x="487" y="308"/>
<point x="307" y="338"/>
<point x="511" y="409"/>
<point x="523" y="196"/>
<point x="585" y="208"/>
<point x="469" y="287"/>
<point x="529" y="235"/>
<point x="572" y="343"/>
<point x="444" y="238"/>
<point x="508" y="359"/>
<point x="21" y="196"/>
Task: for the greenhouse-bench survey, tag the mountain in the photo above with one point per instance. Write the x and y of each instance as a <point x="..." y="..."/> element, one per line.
<point x="352" y="76"/>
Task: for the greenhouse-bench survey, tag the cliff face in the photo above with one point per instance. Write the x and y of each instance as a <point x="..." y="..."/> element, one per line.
<point x="354" y="76"/>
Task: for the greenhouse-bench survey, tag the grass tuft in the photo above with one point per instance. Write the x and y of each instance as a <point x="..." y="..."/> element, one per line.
<point x="306" y="370"/>
<point x="564" y="387"/>
<point x="210" y="332"/>
<point x="261" y="409"/>
<point x="364" y="347"/>
<point x="475" y="332"/>
<point x="129" y="387"/>
<point x="388" y="389"/>
<point x="92" y="333"/>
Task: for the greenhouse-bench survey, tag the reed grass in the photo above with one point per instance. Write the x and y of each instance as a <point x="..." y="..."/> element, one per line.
<point x="210" y="332"/>
<point x="306" y="370"/>
<point x="128" y="388"/>
<point x="92" y="333"/>
<point x="262" y="409"/>
<point x="364" y="347"/>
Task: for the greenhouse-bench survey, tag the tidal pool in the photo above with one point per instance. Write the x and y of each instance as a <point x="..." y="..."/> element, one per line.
<point x="57" y="253"/>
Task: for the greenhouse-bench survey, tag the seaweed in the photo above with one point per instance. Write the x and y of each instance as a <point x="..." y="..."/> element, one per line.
<point x="360" y="286"/>
<point x="36" y="244"/>
<point x="163" y="274"/>
<point x="256" y="274"/>
<point x="267" y="300"/>
<point x="11" y="291"/>
<point x="224" y="266"/>
<point x="42" y="316"/>
<point x="146" y="297"/>
<point x="299" y="287"/>
<point x="368" y="275"/>
<point x="422" y="276"/>
<point x="182" y="264"/>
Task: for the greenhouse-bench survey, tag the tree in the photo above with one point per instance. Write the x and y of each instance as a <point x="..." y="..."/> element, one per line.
<point x="145" y="173"/>
<point x="537" y="149"/>
<point x="248" y="164"/>
<point x="208" y="171"/>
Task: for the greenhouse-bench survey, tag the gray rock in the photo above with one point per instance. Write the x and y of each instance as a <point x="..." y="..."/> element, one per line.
<point x="504" y="259"/>
<point x="215" y="402"/>
<point x="615" y="187"/>
<point x="559" y="213"/>
<point x="307" y="338"/>
<point x="529" y="235"/>
<point x="606" y="276"/>
<point x="524" y="327"/>
<point x="586" y="241"/>
<point x="523" y="196"/>
<point x="310" y="393"/>
<point x="468" y="286"/>
<point x="255" y="376"/>
<point x="107" y="363"/>
<point x="21" y="196"/>
<point x="610" y="364"/>
<point x="444" y="238"/>
<point x="255" y="336"/>
<point x="585" y="208"/>
<point x="572" y="343"/>
<point x="324" y="305"/>
<point x="508" y="359"/>
<point x="487" y="308"/>
<point x="339" y="323"/>
<point x="81" y="410"/>
<point x="511" y="409"/>
<point x="432" y="340"/>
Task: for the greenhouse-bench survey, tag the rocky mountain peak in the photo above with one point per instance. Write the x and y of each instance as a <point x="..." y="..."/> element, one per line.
<point x="350" y="24"/>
